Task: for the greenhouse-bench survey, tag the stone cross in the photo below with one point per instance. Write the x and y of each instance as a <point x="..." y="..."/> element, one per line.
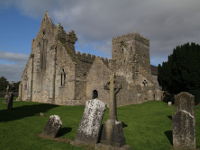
<point x="114" y="89"/>
<point x="112" y="133"/>
<point x="184" y="122"/>
<point x="89" y="128"/>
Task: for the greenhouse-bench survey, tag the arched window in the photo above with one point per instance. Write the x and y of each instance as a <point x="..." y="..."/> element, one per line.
<point x="62" y="77"/>
<point x="43" y="53"/>
<point x="94" y="94"/>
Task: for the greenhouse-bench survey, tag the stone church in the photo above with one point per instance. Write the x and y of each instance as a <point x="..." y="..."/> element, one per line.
<point x="56" y="73"/>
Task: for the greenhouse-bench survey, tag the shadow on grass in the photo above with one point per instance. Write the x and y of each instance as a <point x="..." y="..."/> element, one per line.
<point x="24" y="111"/>
<point x="170" y="117"/>
<point x="169" y="136"/>
<point x="124" y="125"/>
<point x="63" y="131"/>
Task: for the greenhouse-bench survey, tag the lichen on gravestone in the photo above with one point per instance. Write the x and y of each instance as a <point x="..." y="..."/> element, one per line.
<point x="52" y="126"/>
<point x="184" y="122"/>
<point x="89" y="128"/>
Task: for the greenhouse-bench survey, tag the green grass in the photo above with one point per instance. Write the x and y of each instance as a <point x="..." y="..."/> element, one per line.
<point x="148" y="126"/>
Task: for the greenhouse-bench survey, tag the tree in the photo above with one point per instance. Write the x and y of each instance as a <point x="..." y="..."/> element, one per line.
<point x="182" y="70"/>
<point x="3" y="84"/>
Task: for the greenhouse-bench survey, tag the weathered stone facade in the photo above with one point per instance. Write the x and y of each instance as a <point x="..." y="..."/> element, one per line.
<point x="56" y="73"/>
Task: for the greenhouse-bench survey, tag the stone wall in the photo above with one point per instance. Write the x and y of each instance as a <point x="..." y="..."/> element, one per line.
<point x="98" y="76"/>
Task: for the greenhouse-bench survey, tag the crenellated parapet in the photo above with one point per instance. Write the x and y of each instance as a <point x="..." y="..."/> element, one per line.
<point x="85" y="57"/>
<point x="135" y="36"/>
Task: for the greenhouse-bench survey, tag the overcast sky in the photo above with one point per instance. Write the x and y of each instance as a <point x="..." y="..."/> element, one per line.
<point x="167" y="23"/>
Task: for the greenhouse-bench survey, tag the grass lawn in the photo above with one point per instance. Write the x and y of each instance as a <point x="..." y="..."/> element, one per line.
<point x="148" y="126"/>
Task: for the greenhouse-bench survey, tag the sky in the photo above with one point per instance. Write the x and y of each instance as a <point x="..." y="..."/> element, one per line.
<point x="166" y="23"/>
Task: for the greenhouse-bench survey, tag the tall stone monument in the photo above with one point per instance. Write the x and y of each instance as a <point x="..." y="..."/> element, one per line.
<point x="89" y="128"/>
<point x="9" y="97"/>
<point x="112" y="134"/>
<point x="7" y="92"/>
<point x="10" y="101"/>
<point x="184" y="122"/>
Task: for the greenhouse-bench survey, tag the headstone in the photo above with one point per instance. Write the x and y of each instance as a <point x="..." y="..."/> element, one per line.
<point x="7" y="94"/>
<point x="41" y="114"/>
<point x="89" y="128"/>
<point x="158" y="95"/>
<point x="10" y="101"/>
<point x="150" y="95"/>
<point x="169" y="103"/>
<point x="184" y="123"/>
<point x="52" y="127"/>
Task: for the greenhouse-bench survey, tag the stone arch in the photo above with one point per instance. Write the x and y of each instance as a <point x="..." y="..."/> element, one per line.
<point x="94" y="94"/>
<point x="62" y="77"/>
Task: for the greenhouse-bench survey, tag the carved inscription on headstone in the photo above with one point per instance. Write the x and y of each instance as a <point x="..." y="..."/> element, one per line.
<point x="184" y="122"/>
<point x="90" y="124"/>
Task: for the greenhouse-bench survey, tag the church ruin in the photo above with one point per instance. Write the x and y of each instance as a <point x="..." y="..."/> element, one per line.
<point x="56" y="73"/>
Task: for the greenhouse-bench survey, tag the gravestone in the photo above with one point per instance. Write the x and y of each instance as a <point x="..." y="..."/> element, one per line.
<point x="184" y="122"/>
<point x="169" y="103"/>
<point x="10" y="97"/>
<point x="7" y="94"/>
<point x="53" y="126"/>
<point x="89" y="128"/>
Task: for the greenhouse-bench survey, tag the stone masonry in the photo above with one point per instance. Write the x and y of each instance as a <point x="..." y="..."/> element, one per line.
<point x="56" y="73"/>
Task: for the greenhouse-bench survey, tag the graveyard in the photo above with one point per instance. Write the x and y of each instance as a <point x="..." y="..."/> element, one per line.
<point x="99" y="75"/>
<point x="148" y="126"/>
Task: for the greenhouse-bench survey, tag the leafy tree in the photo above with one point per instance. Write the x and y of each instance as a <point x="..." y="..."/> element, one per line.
<point x="15" y="87"/>
<point x="182" y="70"/>
<point x="3" y="84"/>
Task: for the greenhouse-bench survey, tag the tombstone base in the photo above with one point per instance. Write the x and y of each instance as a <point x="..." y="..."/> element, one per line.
<point x="117" y="137"/>
<point x="83" y="141"/>
<point x="110" y="147"/>
<point x="183" y="148"/>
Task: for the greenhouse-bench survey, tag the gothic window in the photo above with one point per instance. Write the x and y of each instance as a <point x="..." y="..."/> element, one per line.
<point x="43" y="32"/>
<point x="43" y="53"/>
<point x="39" y="44"/>
<point x="25" y="82"/>
<point x="62" y="77"/>
<point x="25" y="86"/>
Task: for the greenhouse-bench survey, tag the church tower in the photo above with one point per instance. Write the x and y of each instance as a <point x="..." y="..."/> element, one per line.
<point x="130" y="54"/>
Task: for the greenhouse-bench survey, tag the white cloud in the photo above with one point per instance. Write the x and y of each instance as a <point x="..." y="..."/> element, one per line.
<point x="16" y="57"/>
<point x="11" y="71"/>
<point x="12" y="65"/>
<point x="166" y="23"/>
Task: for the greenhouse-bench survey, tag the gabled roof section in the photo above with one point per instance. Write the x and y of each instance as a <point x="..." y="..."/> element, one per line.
<point x="46" y="20"/>
<point x="47" y="26"/>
